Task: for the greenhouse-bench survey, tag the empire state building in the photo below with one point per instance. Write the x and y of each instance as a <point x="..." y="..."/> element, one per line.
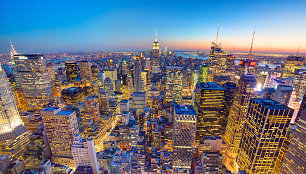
<point x="155" y="56"/>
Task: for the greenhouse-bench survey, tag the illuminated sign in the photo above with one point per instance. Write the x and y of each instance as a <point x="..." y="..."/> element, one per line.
<point x="241" y="62"/>
<point x="252" y="63"/>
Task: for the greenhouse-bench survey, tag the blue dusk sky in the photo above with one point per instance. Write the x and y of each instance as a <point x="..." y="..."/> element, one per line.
<point x="46" y="26"/>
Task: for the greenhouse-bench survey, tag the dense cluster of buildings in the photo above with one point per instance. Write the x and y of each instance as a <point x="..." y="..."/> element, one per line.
<point x="152" y="112"/>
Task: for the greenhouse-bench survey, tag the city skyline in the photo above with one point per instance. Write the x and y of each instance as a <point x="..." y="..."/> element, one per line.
<point x="121" y="25"/>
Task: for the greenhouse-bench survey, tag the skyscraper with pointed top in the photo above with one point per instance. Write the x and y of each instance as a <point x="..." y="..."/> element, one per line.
<point x="155" y="56"/>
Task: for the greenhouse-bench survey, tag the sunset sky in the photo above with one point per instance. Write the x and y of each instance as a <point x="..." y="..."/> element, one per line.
<point x="46" y="26"/>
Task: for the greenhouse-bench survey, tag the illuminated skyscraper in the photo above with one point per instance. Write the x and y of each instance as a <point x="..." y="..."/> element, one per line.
<point x="13" y="136"/>
<point x="209" y="103"/>
<point x="184" y="131"/>
<point x="229" y="99"/>
<point x="293" y="63"/>
<point x="34" y="79"/>
<point x="155" y="56"/>
<point x="60" y="127"/>
<point x="263" y="136"/>
<point x="11" y="124"/>
<point x="84" y="154"/>
<point x="71" y="71"/>
<point x="218" y="59"/>
<point x="203" y="73"/>
<point x="137" y="75"/>
<point x="237" y="115"/>
<point x="174" y="83"/>
<point x="103" y="101"/>
<point x="283" y="94"/>
<point x="73" y="95"/>
<point x="85" y="70"/>
<point x="293" y="161"/>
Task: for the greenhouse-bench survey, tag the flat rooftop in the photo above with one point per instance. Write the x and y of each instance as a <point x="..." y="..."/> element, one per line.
<point x="210" y="86"/>
<point x="65" y="112"/>
<point x="185" y="110"/>
<point x="270" y="104"/>
<point x="51" y="109"/>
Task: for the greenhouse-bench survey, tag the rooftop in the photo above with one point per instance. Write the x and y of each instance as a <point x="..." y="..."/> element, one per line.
<point x="185" y="110"/>
<point x="52" y="109"/>
<point x="210" y="86"/>
<point x="270" y="104"/>
<point x="230" y="85"/>
<point x="65" y="112"/>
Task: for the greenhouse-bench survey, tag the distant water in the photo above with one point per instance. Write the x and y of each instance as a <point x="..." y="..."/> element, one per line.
<point x="190" y="54"/>
<point x="194" y="55"/>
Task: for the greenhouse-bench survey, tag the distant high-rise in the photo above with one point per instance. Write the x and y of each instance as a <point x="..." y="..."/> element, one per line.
<point x="283" y="94"/>
<point x="209" y="103"/>
<point x="217" y="61"/>
<point x="71" y="71"/>
<point x="137" y="75"/>
<point x="84" y="154"/>
<point x="85" y="70"/>
<point x="103" y="101"/>
<point x="263" y="136"/>
<point x="184" y="131"/>
<point x="73" y="95"/>
<point x="203" y="73"/>
<point x="34" y="79"/>
<point x="293" y="161"/>
<point x="12" y="130"/>
<point x="293" y="63"/>
<point x="60" y="127"/>
<point x="174" y="83"/>
<point x="238" y="111"/>
<point x="155" y="56"/>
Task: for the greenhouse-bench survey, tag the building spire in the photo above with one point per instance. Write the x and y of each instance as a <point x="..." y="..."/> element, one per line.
<point x="250" y="53"/>
<point x="13" y="51"/>
<point x="156" y="36"/>
<point x="217" y="34"/>
<point x="297" y="53"/>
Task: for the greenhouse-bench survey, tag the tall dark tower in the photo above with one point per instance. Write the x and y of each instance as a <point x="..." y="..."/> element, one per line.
<point x="155" y="56"/>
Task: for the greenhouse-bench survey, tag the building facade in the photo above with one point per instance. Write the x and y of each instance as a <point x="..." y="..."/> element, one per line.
<point x="263" y="136"/>
<point x="34" y="79"/>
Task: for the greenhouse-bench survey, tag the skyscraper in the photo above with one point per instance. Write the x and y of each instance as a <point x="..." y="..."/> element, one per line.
<point x="155" y="56"/>
<point x="263" y="136"/>
<point x="137" y="75"/>
<point x="283" y="94"/>
<point x="237" y="115"/>
<point x="71" y="71"/>
<point x="85" y="70"/>
<point x="203" y="73"/>
<point x="174" y="83"/>
<point x="84" y="154"/>
<point x="293" y="63"/>
<point x="103" y="101"/>
<point x="293" y="162"/>
<point x="209" y="103"/>
<point x="13" y="136"/>
<point x="11" y="124"/>
<point x="34" y="79"/>
<point x="184" y="131"/>
<point x="60" y="127"/>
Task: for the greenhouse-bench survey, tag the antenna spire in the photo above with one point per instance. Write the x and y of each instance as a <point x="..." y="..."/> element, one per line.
<point x="297" y="53"/>
<point x="156" y="36"/>
<point x="250" y="54"/>
<point x="217" y="34"/>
